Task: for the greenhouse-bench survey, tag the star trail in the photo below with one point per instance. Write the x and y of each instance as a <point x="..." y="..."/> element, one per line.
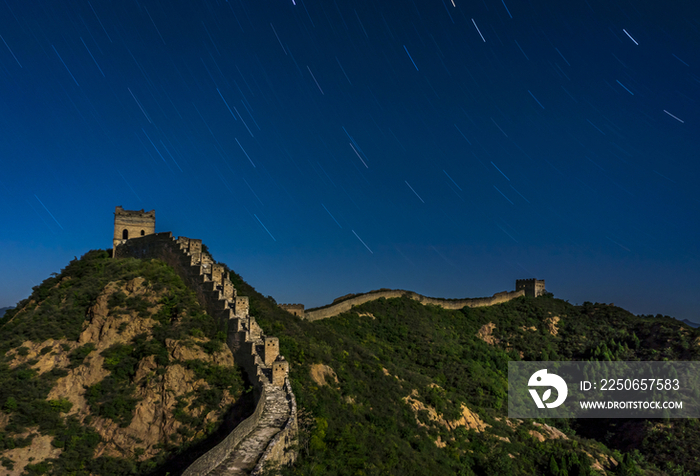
<point x="554" y="140"/>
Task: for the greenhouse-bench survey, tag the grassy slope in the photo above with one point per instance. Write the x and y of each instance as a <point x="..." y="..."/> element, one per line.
<point x="363" y="426"/>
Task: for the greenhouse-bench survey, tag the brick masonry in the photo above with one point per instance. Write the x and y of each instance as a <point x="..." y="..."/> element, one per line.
<point x="268" y="436"/>
<point x="343" y="306"/>
<point x="532" y="287"/>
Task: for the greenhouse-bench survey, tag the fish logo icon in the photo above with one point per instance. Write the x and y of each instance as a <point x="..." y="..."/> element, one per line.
<point x="542" y="379"/>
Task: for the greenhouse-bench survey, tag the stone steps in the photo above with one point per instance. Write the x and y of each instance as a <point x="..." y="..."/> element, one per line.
<point x="272" y="428"/>
<point x="244" y="457"/>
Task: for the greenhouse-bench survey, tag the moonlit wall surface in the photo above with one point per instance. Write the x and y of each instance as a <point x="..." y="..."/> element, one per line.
<point x="327" y="147"/>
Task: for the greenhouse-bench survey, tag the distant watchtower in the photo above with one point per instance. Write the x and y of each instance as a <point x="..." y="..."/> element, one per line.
<point x="132" y="224"/>
<point x="532" y="287"/>
<point x="296" y="309"/>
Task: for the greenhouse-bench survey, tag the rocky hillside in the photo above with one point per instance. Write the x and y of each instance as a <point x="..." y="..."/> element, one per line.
<point x="112" y="367"/>
<point x="396" y="387"/>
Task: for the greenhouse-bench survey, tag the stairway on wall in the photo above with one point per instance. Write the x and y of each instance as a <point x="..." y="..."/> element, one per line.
<point x="245" y="456"/>
<point x="271" y="439"/>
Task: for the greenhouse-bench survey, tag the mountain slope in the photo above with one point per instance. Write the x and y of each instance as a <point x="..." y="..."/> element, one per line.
<point x="112" y="367"/>
<point x="395" y="387"/>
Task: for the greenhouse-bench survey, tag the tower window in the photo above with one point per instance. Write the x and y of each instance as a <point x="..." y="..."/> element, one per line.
<point x="143" y="232"/>
<point x="125" y="234"/>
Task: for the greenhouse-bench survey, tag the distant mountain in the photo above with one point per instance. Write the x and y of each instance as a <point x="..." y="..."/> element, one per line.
<point x="691" y="323"/>
<point x="3" y="309"/>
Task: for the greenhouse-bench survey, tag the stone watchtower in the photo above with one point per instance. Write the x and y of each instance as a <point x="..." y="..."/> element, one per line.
<point x="272" y="357"/>
<point x="280" y="370"/>
<point x="532" y="287"/>
<point x="272" y="350"/>
<point x="132" y="224"/>
<point x="296" y="309"/>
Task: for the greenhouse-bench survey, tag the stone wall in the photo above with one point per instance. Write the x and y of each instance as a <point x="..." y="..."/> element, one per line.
<point x="214" y="457"/>
<point x="245" y="338"/>
<point x="277" y="452"/>
<point x="340" y="307"/>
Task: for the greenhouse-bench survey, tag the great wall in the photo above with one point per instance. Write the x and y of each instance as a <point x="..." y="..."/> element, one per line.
<point x="268" y="436"/>
<point x="524" y="287"/>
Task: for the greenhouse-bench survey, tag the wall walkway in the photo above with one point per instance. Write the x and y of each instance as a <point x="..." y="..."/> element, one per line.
<point x="346" y="305"/>
<point x="267" y="436"/>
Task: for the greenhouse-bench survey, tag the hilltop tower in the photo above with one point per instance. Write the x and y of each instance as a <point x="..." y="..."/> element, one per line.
<point x="532" y="287"/>
<point x="132" y="224"/>
<point x="296" y="309"/>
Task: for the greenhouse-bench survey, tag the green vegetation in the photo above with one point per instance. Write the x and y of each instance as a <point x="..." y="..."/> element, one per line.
<point x="364" y="427"/>
<point x="66" y="297"/>
<point x="79" y="354"/>
<point x="57" y="309"/>
<point x="113" y="396"/>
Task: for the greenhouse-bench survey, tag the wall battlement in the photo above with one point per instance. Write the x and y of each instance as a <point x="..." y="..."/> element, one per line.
<point x="357" y="299"/>
<point x="131" y="224"/>
<point x="275" y="412"/>
<point x="532" y="287"/>
<point x="523" y="287"/>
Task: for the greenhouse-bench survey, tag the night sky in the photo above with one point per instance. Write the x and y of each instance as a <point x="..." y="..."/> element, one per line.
<point x="326" y="147"/>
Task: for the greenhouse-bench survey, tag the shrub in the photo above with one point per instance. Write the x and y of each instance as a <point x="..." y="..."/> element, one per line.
<point x="79" y="354"/>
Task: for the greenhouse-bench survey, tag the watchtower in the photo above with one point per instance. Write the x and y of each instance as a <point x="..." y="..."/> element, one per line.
<point x="296" y="309"/>
<point x="242" y="306"/>
<point x="532" y="287"/>
<point x="132" y="224"/>
<point x="272" y="350"/>
<point x="280" y="370"/>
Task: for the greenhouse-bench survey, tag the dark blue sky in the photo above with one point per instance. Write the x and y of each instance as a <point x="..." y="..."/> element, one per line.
<point x="327" y="147"/>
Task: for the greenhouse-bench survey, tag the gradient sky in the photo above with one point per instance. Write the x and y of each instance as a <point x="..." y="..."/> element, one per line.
<point x="326" y="147"/>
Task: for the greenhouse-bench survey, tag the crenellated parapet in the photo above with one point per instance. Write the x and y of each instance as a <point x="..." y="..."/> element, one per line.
<point x="132" y="224"/>
<point x="523" y="287"/>
<point x="346" y="303"/>
<point x="267" y="370"/>
<point x="532" y="287"/>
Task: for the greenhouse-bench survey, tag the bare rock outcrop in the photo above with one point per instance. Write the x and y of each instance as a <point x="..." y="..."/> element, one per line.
<point x="469" y="419"/>
<point x="153" y="420"/>
<point x="552" y="325"/>
<point x="157" y="393"/>
<point x="546" y="432"/>
<point x="486" y="334"/>
<point x="40" y="450"/>
<point x="104" y="328"/>
<point x="48" y="359"/>
<point x="322" y="374"/>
